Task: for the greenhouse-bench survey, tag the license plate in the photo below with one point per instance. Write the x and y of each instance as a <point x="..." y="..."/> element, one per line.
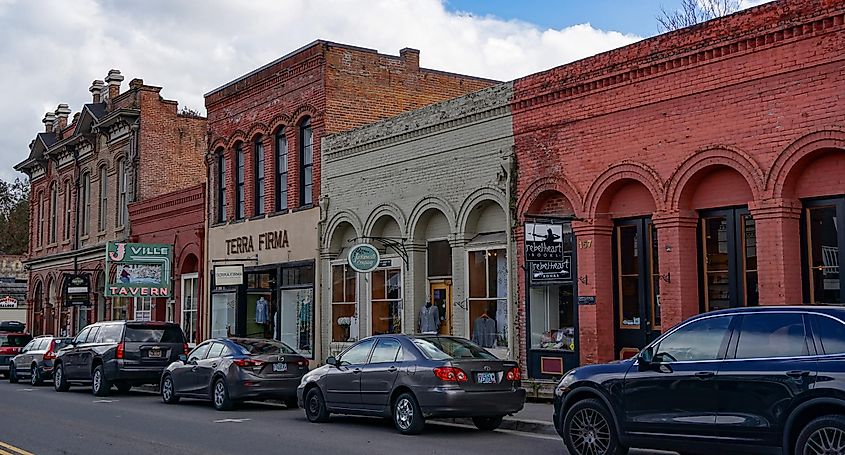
<point x="154" y="353"/>
<point x="486" y="378"/>
<point x="280" y="367"/>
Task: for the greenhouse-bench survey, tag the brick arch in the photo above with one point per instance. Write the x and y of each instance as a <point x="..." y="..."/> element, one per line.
<point x="338" y="220"/>
<point x="488" y="193"/>
<point x="546" y="184"/>
<point x="803" y="147"/>
<point x="257" y="129"/>
<point x="237" y="136"/>
<point x="723" y="156"/>
<point x="423" y="206"/>
<point x="390" y="210"/>
<point x="279" y="121"/>
<point x="305" y="110"/>
<point x="190" y="249"/>
<point x="220" y="142"/>
<point x="617" y="174"/>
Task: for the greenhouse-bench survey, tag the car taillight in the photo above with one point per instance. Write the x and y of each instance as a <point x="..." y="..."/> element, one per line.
<point x="248" y="363"/>
<point x="513" y="374"/>
<point x="120" y="351"/>
<point x="50" y="354"/>
<point x="450" y="374"/>
<point x="185" y="348"/>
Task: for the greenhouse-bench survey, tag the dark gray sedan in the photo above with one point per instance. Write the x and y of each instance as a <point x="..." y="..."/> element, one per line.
<point x="413" y="377"/>
<point x="229" y="370"/>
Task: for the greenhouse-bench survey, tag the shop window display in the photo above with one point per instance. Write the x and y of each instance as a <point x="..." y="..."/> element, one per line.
<point x="552" y="318"/>
<point x="344" y="303"/>
<point x="296" y="309"/>
<point x="119" y="308"/>
<point x="387" y="301"/>
<point x="488" y="290"/>
<point x="260" y="305"/>
<point x="223" y="314"/>
<point x="823" y="253"/>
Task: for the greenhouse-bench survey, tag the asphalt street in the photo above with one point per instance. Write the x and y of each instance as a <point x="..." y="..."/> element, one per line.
<point x="37" y="420"/>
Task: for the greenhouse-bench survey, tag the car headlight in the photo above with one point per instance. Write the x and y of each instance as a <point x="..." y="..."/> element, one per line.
<point x="565" y="383"/>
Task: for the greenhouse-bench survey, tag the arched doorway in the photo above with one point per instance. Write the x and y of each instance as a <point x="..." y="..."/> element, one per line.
<point x="38" y="310"/>
<point x="189" y="297"/>
<point x="387" y="281"/>
<point x="433" y="272"/>
<point x="343" y="294"/>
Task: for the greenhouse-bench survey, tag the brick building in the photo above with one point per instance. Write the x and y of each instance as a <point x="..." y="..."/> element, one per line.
<point x="123" y="147"/>
<point x="264" y="167"/>
<point x="693" y="171"/>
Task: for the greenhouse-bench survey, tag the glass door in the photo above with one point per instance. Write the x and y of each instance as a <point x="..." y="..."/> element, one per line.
<point x="823" y="242"/>
<point x="637" y="285"/>
<point x="728" y="253"/>
<point x="441" y="297"/>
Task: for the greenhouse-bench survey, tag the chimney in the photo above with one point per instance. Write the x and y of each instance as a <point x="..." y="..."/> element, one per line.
<point x="113" y="80"/>
<point x="411" y="57"/>
<point x="96" y="90"/>
<point x="62" y="113"/>
<point x="49" y="120"/>
<point x="136" y="83"/>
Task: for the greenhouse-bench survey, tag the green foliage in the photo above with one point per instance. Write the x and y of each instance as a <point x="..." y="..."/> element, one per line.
<point x="14" y="216"/>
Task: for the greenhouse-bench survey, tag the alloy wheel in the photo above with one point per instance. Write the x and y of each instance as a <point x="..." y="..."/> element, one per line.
<point x="219" y="394"/>
<point x="826" y="441"/>
<point x="404" y="413"/>
<point x="167" y="389"/>
<point x="590" y="432"/>
<point x="98" y="380"/>
<point x="57" y="376"/>
<point x="33" y="376"/>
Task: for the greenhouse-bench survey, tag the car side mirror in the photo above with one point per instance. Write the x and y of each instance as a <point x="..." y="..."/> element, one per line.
<point x="646" y="357"/>
<point x="332" y="361"/>
<point x="183" y="358"/>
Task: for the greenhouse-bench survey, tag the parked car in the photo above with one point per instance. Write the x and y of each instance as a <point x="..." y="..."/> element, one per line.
<point x="35" y="360"/>
<point x="122" y="353"/>
<point x="11" y="344"/>
<point x="410" y="378"/>
<point x="229" y="370"/>
<point x="746" y="380"/>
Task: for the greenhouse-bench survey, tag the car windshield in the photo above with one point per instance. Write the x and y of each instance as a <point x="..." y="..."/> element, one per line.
<point x="444" y="348"/>
<point x="153" y="334"/>
<point x="262" y="347"/>
<point x="14" y="341"/>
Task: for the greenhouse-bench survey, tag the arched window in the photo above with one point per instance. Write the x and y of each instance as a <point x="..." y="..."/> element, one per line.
<point x="306" y="160"/>
<point x="221" y="186"/>
<point x="54" y="202"/>
<point x="104" y="199"/>
<point x="122" y="190"/>
<point x="258" y="151"/>
<point x="85" y="204"/>
<point x="39" y="227"/>
<point x="240" y="207"/>
<point x="68" y="211"/>
<point x="281" y="170"/>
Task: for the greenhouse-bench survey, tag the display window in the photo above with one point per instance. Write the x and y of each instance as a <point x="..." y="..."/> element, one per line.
<point x="295" y="317"/>
<point x="386" y="313"/>
<point x="823" y="240"/>
<point x="728" y="251"/>
<point x="552" y="310"/>
<point x="260" y="304"/>
<point x="119" y="308"/>
<point x="344" y="303"/>
<point x="223" y="305"/>
<point x="190" y="306"/>
<point x="488" y="290"/>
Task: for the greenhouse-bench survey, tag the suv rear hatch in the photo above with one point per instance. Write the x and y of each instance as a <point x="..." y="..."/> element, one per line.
<point x="153" y="344"/>
<point x="11" y="344"/>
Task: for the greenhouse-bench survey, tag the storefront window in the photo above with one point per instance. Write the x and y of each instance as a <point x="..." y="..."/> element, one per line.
<point x="823" y="240"/>
<point x="749" y="246"/>
<point x="344" y="303"/>
<point x="387" y="301"/>
<point x="716" y="275"/>
<point x="223" y="314"/>
<point x="655" y="276"/>
<point x="296" y="309"/>
<point x="552" y="317"/>
<point x="143" y="308"/>
<point x="729" y="259"/>
<point x="260" y="304"/>
<point x="190" y="303"/>
<point x="629" y="276"/>
<point x="488" y="290"/>
<point x="119" y="307"/>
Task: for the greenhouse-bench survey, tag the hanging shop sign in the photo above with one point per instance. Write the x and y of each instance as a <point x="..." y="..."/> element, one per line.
<point x="138" y="269"/>
<point x="364" y="258"/>
<point x="543" y="242"/>
<point x="228" y="275"/>
<point x="78" y="289"/>
<point x="8" y="302"/>
<point x="546" y="271"/>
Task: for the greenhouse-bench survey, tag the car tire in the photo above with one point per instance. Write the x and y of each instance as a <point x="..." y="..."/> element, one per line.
<point x="60" y="383"/>
<point x="100" y="386"/>
<point x="13" y="374"/>
<point x="35" y="378"/>
<point x="220" y="396"/>
<point x="315" y="406"/>
<point x="291" y="403"/>
<point x="588" y="428"/>
<point x="817" y="435"/>
<point x="487" y="423"/>
<point x="407" y="415"/>
<point x="168" y="391"/>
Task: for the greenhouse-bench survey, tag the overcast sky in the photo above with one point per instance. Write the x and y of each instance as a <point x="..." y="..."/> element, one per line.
<point x="52" y="50"/>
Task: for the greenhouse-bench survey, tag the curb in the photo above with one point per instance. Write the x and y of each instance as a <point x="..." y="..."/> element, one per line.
<point x="513" y="424"/>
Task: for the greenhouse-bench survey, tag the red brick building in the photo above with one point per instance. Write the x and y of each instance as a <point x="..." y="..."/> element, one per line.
<point x="123" y="147"/>
<point x="264" y="174"/>
<point x="693" y="171"/>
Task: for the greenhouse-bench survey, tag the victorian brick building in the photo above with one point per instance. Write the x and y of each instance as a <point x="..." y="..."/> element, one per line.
<point x="264" y="168"/>
<point x="122" y="147"/>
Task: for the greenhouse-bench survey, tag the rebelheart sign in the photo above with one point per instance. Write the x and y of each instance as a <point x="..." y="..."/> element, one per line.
<point x="138" y="270"/>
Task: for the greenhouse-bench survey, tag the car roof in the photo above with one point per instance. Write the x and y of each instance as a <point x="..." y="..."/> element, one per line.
<point x="833" y="310"/>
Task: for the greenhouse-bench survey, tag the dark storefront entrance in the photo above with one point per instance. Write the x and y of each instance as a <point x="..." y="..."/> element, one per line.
<point x="824" y="238"/>
<point x="728" y="259"/>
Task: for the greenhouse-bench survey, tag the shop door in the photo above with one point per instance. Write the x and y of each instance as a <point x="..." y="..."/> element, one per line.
<point x="637" y="285"/>
<point x="823" y="250"/>
<point x="728" y="254"/>
<point x="441" y="296"/>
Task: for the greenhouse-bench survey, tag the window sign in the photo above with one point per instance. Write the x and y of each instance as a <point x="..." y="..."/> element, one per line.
<point x="543" y="242"/>
<point x="139" y="270"/>
<point x="228" y="275"/>
<point x="551" y="271"/>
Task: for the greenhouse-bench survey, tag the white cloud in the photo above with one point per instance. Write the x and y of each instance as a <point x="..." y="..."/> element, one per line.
<point x="53" y="49"/>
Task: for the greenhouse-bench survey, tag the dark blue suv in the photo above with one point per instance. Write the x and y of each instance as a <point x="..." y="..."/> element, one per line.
<point x="745" y="380"/>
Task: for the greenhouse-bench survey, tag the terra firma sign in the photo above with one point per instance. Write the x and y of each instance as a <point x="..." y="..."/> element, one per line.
<point x="138" y="270"/>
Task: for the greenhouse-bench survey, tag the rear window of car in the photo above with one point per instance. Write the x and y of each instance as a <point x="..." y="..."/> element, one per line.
<point x="14" y="341"/>
<point x="153" y="334"/>
<point x="109" y="334"/>
<point x="60" y="342"/>
<point x="832" y="334"/>
<point x="262" y="347"/>
<point x="440" y="348"/>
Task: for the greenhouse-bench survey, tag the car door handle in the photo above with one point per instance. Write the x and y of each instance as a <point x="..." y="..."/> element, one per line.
<point x="392" y="369"/>
<point x="705" y="374"/>
<point x="797" y="374"/>
<point x="356" y="371"/>
<point x="213" y="365"/>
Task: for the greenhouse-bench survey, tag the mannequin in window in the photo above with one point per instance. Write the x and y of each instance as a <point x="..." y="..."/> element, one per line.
<point x="484" y="330"/>
<point x="262" y="308"/>
<point x="429" y="318"/>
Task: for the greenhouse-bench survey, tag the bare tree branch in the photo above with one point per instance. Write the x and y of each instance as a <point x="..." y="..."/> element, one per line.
<point x="692" y="12"/>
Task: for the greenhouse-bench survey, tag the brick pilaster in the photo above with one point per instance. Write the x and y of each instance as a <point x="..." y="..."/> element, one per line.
<point x="595" y="275"/>
<point x="778" y="223"/>
<point x="678" y="263"/>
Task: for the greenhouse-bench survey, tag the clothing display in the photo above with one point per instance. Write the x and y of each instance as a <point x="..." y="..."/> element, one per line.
<point x="262" y="307"/>
<point x="429" y="318"/>
<point x="484" y="331"/>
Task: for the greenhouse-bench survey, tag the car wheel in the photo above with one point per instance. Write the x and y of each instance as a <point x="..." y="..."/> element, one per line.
<point x="315" y="406"/>
<point x="35" y="378"/>
<point x="99" y="384"/>
<point x="822" y="436"/>
<point x="407" y="415"/>
<point x="487" y="423"/>
<point x="588" y="429"/>
<point x="168" y="392"/>
<point x="60" y="383"/>
<point x="220" y="396"/>
<point x="291" y="403"/>
<point x="13" y="374"/>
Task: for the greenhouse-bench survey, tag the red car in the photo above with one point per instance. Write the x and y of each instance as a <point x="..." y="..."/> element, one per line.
<point x="10" y="346"/>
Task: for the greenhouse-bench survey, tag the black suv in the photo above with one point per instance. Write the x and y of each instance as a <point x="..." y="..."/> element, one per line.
<point x="123" y="353"/>
<point x="745" y="380"/>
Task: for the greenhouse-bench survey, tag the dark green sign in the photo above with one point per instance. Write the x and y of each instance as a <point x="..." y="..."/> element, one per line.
<point x="138" y="270"/>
